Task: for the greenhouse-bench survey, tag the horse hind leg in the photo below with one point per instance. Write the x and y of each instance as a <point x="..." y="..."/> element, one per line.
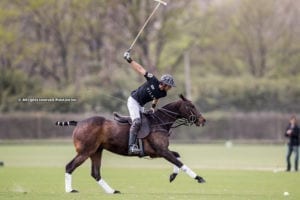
<point x="70" y="167"/>
<point x="95" y="172"/>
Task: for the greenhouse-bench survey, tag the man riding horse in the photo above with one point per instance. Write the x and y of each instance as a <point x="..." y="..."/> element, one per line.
<point x="152" y="90"/>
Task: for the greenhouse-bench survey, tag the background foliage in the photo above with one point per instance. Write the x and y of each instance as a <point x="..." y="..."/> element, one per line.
<point x="244" y="55"/>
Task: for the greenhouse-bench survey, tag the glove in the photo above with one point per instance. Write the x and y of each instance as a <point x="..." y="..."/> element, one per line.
<point x="127" y="56"/>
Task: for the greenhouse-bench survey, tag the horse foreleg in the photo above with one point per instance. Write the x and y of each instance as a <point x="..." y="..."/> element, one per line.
<point x="175" y="168"/>
<point x="70" y="167"/>
<point x="95" y="172"/>
<point x="168" y="155"/>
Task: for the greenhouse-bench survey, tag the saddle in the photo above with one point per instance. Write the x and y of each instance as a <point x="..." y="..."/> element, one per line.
<point x="145" y="129"/>
<point x="145" y="126"/>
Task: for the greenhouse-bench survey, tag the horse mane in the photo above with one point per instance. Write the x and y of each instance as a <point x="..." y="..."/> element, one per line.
<point x="172" y="106"/>
<point x="169" y="110"/>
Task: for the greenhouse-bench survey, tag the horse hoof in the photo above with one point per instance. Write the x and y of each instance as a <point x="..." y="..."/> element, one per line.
<point x="74" y="191"/>
<point x="117" y="192"/>
<point x="200" y="179"/>
<point x="172" y="177"/>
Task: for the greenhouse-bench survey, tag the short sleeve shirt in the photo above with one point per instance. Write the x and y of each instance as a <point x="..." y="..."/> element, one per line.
<point x="148" y="91"/>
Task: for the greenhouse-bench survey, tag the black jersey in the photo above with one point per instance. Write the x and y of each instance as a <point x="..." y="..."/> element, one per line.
<point x="294" y="137"/>
<point x="148" y="91"/>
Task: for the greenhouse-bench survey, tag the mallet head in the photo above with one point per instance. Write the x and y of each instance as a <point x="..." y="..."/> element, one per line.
<point x="161" y="2"/>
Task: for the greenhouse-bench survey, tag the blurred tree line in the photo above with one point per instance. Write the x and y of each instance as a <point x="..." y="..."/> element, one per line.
<point x="244" y="54"/>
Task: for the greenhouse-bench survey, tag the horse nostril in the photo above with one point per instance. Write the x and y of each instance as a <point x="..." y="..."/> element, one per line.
<point x="201" y="119"/>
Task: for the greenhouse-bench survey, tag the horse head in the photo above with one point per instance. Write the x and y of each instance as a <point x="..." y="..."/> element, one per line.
<point x="188" y="111"/>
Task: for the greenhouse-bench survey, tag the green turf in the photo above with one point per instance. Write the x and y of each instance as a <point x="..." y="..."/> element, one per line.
<point x="36" y="171"/>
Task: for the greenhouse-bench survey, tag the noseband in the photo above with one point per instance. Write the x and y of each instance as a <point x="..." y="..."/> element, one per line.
<point x="192" y="118"/>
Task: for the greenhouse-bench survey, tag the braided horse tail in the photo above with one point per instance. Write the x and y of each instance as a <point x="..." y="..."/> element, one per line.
<point x="67" y="123"/>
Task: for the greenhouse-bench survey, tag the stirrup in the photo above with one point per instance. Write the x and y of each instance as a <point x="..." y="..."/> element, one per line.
<point x="133" y="149"/>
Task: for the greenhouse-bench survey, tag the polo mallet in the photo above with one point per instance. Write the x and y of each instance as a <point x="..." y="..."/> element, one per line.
<point x="146" y="22"/>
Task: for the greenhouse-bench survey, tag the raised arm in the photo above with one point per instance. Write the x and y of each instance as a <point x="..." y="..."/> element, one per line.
<point x="136" y="66"/>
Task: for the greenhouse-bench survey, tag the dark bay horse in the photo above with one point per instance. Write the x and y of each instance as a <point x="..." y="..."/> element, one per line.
<point x="91" y="136"/>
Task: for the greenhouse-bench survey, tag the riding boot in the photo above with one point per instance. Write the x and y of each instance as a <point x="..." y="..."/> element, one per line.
<point x="132" y="146"/>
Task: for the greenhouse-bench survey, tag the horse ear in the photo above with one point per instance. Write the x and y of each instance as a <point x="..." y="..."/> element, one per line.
<point x="182" y="97"/>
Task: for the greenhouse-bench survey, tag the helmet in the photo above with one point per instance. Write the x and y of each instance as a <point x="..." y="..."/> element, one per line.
<point x="168" y="80"/>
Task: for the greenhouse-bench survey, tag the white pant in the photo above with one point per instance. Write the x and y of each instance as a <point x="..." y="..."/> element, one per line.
<point x="134" y="108"/>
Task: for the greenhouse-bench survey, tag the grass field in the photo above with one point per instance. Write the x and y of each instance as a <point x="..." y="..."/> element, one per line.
<point x="36" y="171"/>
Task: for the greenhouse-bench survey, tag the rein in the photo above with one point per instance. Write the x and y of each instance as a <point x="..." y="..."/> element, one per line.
<point x="182" y="121"/>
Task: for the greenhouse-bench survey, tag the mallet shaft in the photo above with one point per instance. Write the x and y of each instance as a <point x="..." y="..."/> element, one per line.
<point x="146" y="22"/>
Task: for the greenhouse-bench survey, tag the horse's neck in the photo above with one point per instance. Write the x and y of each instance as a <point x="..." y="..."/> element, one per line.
<point x="167" y="115"/>
<point x="172" y="107"/>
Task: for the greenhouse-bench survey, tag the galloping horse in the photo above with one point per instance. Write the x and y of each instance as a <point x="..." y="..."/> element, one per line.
<point x="94" y="134"/>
